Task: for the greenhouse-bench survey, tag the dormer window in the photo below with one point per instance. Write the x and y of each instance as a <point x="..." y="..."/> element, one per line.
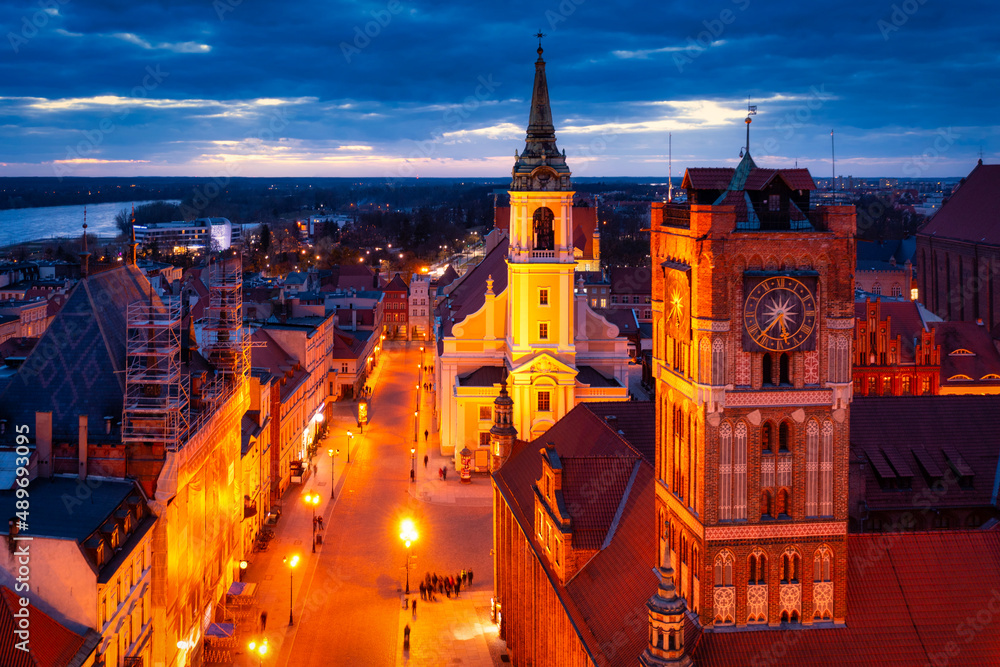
<point x="962" y="352"/>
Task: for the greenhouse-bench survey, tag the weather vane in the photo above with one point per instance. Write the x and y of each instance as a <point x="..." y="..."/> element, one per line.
<point x="751" y="111"/>
<point x="539" y="35"/>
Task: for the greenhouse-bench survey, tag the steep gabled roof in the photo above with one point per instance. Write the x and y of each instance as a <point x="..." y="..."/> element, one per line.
<point x="967" y="336"/>
<point x="50" y="644"/>
<point x="469" y="294"/>
<point x="78" y="366"/>
<point x="972" y="213"/>
<point x="397" y="284"/>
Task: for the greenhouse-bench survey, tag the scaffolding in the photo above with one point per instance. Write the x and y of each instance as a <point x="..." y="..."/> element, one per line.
<point x="226" y="342"/>
<point x="156" y="389"/>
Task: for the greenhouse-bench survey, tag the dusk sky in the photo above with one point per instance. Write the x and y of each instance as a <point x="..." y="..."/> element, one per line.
<point x="253" y="88"/>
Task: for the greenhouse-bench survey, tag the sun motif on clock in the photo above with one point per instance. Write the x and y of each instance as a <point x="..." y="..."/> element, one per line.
<point x="676" y="306"/>
<point x="780" y="314"/>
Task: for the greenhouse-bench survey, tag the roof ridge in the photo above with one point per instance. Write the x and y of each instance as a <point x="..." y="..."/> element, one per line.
<point x="621" y="506"/>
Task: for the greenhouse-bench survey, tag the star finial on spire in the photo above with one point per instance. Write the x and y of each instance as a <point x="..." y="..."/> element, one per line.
<point x="539" y="35"/>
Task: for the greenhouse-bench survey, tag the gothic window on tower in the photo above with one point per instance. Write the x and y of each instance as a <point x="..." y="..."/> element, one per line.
<point x="823" y="584"/>
<point x="725" y="592"/>
<point x="784" y="436"/>
<point x="544" y="232"/>
<point x="740" y="472"/>
<point x="718" y="362"/>
<point x="726" y="472"/>
<point x="783" y="506"/>
<point x="826" y="470"/>
<point x="543" y="402"/>
<point x="766" y="438"/>
<point x="766" y="502"/>
<point x="766" y="371"/>
<point x="812" y="468"/>
<point x="784" y="369"/>
<point x="757" y="588"/>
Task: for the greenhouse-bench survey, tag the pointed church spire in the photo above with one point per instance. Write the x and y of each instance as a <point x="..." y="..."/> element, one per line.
<point x="540" y="142"/>
<point x="85" y="255"/>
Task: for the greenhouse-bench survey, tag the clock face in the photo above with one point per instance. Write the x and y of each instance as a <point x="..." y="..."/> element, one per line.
<point x="677" y="304"/>
<point x="779" y="315"/>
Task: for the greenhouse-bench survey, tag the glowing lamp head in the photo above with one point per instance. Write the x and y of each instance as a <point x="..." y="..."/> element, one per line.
<point x="243" y="564"/>
<point x="293" y="561"/>
<point x="350" y="434"/>
<point x="330" y="452"/>
<point x="408" y="532"/>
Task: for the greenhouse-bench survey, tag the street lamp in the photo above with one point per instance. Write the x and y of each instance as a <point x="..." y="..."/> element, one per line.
<point x="408" y="533"/>
<point x="413" y="463"/>
<point x="333" y="471"/>
<point x="292" y="562"/>
<point x="243" y="568"/>
<point x="260" y="649"/>
<point x="415" y="424"/>
<point x="312" y="499"/>
<point x="349" y="436"/>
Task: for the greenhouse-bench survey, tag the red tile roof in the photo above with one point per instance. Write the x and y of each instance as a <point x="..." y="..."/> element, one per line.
<point x="397" y="284"/>
<point x="910" y="429"/>
<point x="598" y="598"/>
<point x="635" y="419"/>
<point x="984" y="360"/>
<point x="971" y="214"/>
<point x="912" y="599"/>
<point x="49" y="644"/>
<point x="707" y="178"/>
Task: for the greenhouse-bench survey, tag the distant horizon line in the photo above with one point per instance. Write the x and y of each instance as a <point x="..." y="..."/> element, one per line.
<point x="446" y="178"/>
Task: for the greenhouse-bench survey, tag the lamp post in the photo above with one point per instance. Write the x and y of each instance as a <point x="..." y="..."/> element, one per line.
<point x="260" y="649"/>
<point x="408" y="533"/>
<point x="413" y="463"/>
<point x="416" y="419"/>
<point x="292" y="562"/>
<point x="312" y="499"/>
<point x="349" y="436"/>
<point x="243" y="568"/>
<point x="333" y="470"/>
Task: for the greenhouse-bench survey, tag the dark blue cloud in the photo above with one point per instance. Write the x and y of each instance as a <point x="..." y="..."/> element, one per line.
<point x="395" y="87"/>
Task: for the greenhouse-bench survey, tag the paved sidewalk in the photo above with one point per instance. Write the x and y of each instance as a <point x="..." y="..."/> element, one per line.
<point x="447" y="631"/>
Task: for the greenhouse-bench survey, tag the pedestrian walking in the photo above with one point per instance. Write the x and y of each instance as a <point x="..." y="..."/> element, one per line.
<point x="426" y="433"/>
<point x="412" y="477"/>
<point x="406" y="636"/>
<point x="463" y="576"/>
<point x="458" y="588"/>
<point x="444" y="474"/>
<point x="263" y="621"/>
<point x="422" y="591"/>
<point x="319" y="520"/>
<point x="470" y="577"/>
<point x="425" y="461"/>
<point x="414" y="609"/>
<point x="440" y="473"/>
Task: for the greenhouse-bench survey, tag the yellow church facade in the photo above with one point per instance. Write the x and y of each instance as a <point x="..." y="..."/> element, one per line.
<point x="518" y="318"/>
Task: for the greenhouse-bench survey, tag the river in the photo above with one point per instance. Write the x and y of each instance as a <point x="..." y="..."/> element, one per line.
<point x="34" y="224"/>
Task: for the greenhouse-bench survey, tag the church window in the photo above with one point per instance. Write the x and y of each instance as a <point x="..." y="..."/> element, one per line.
<point x="812" y="468"/>
<point x="765" y="504"/>
<point x="826" y="470"/>
<point x="718" y="362"/>
<point x="485" y="412"/>
<point x="725" y="472"/>
<point x="740" y="472"/>
<point x="767" y="376"/>
<point x="758" y="567"/>
<point x="543" y="401"/>
<point x="877" y="288"/>
<point x="543" y="330"/>
<point x="725" y="595"/>
<point x="897" y="289"/>
<point x="724" y="569"/>
<point x="823" y="565"/>
<point x="784" y="372"/>
<point x="543" y="297"/>
<point x="766" y="435"/>
<point x="544" y="233"/>
<point x="784" y="436"/>
<point x="784" y="503"/>
<point x="790" y="566"/>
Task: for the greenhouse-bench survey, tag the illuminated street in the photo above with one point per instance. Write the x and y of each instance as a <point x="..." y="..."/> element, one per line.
<point x="347" y="597"/>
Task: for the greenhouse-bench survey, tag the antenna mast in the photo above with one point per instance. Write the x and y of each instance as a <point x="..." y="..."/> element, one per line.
<point x="833" y="161"/>
<point x="670" y="167"/>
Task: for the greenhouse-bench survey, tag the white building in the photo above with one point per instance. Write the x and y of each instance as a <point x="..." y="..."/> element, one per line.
<point x="420" y="307"/>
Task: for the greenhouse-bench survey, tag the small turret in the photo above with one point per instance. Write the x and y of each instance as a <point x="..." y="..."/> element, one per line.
<point x="503" y="433"/>
<point x="666" y="621"/>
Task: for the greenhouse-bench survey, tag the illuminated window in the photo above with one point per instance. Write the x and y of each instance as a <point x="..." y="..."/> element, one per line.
<point x="543" y="330"/>
<point x="543" y="401"/>
<point x="543" y="297"/>
<point x="906" y="385"/>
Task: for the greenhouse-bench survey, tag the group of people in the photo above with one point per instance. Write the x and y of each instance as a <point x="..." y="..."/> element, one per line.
<point x="428" y="386"/>
<point x="317" y="523"/>
<point x="432" y="583"/>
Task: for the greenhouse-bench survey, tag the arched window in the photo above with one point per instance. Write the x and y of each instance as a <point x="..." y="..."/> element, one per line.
<point x="812" y="468"/>
<point x="877" y="288"/>
<point x="766" y="437"/>
<point x="740" y="472"/>
<point x="784" y="370"/>
<point x="823" y="565"/>
<point x="826" y="470"/>
<point x="897" y="289"/>
<point x="725" y="472"/>
<point x="784" y="436"/>
<point x="823" y="584"/>
<point x="767" y="376"/>
<point x="784" y="502"/>
<point x="765" y="504"/>
<point x="544" y="233"/>
<point x="758" y="567"/>
<point x="790" y="566"/>
<point x="724" y="569"/>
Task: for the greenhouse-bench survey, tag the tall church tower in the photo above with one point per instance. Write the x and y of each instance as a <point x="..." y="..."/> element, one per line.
<point x="540" y="265"/>
<point x="753" y="316"/>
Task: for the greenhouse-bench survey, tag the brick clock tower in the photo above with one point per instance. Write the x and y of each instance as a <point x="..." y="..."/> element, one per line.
<point x="753" y="305"/>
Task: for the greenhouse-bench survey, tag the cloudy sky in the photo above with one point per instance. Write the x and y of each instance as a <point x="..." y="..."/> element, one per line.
<point x="420" y="88"/>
